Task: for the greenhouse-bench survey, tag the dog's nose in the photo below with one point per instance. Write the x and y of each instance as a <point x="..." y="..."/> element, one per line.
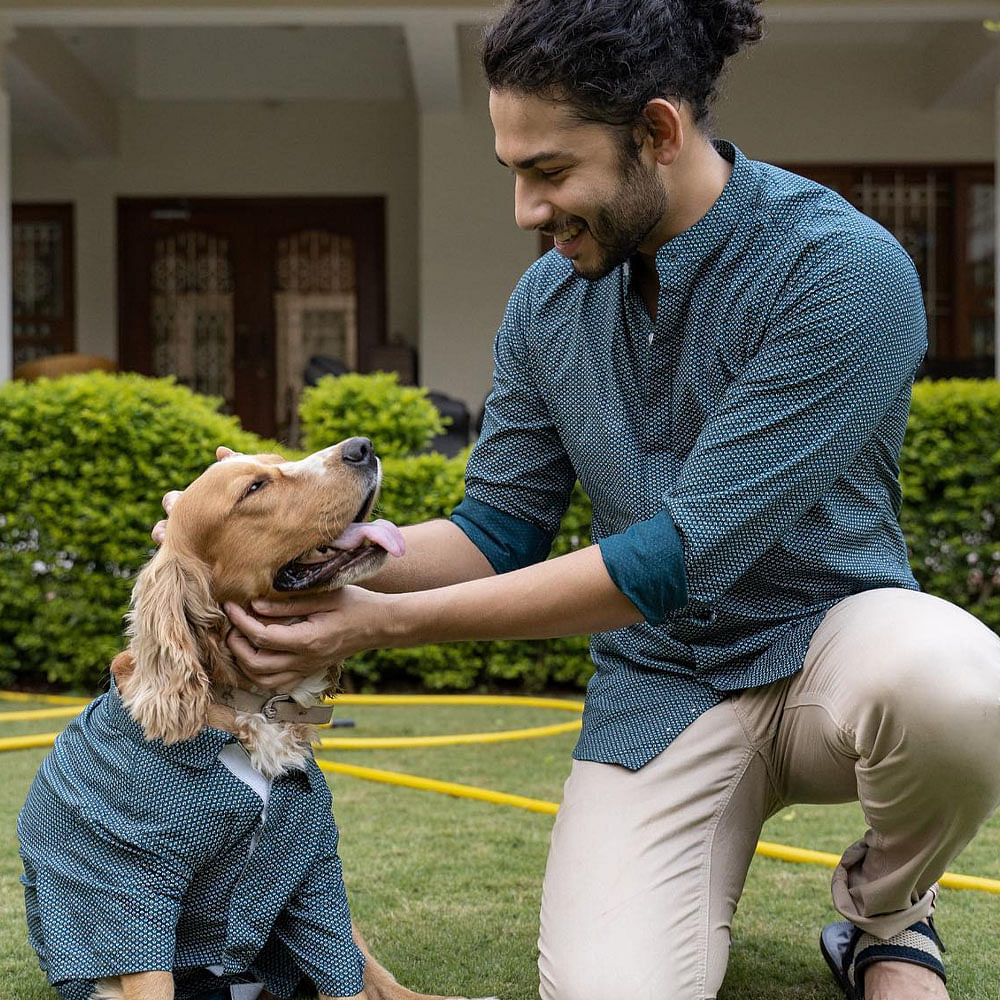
<point x="358" y="451"/>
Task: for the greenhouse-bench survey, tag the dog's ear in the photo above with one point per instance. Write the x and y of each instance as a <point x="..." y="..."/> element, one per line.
<point x="176" y="630"/>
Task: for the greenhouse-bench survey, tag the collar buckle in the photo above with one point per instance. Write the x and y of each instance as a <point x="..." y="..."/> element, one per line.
<point x="270" y="708"/>
<point x="277" y="708"/>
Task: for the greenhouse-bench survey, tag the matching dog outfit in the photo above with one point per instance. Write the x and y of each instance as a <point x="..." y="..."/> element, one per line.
<point x="140" y="856"/>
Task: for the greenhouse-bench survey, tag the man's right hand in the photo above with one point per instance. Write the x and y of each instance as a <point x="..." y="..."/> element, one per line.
<point x="159" y="531"/>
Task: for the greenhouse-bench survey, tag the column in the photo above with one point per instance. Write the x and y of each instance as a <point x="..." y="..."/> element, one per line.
<point x="996" y="236"/>
<point x="6" y="293"/>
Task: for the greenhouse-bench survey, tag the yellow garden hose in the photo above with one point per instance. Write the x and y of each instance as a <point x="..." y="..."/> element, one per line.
<point x="46" y="699"/>
<point x="780" y="852"/>
<point x="442" y="787"/>
<point x="28" y="742"/>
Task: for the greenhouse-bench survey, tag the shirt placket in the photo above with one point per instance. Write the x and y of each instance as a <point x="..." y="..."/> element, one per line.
<point x="258" y="894"/>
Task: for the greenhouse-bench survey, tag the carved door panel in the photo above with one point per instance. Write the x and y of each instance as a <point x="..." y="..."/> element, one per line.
<point x="42" y="272"/>
<point x="234" y="296"/>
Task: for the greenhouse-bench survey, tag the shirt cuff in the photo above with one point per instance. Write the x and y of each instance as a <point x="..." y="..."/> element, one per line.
<point x="646" y="563"/>
<point x="507" y="542"/>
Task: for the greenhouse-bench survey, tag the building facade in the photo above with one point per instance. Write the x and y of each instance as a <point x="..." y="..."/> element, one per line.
<point x="228" y="190"/>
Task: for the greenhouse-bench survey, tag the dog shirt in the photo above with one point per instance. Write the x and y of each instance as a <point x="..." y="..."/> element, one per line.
<point x="740" y="450"/>
<point x="137" y="856"/>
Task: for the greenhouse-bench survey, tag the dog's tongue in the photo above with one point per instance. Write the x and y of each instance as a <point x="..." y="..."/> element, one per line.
<point x="381" y="533"/>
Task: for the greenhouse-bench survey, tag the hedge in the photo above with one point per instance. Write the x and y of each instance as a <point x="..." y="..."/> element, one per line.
<point x="399" y="419"/>
<point x="950" y="473"/>
<point x="85" y="459"/>
<point x="83" y="464"/>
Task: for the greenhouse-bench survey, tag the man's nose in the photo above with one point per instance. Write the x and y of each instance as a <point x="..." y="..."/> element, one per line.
<point x="531" y="210"/>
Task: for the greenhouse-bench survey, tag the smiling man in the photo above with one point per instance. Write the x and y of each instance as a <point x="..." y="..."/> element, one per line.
<point x="722" y="354"/>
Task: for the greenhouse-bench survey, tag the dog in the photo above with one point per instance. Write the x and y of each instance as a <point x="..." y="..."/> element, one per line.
<point x="179" y="840"/>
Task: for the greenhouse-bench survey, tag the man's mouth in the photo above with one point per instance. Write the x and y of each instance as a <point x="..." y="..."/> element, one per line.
<point x="564" y="236"/>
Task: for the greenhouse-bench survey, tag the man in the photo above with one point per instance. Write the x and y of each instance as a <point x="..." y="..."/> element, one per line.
<point x="722" y="354"/>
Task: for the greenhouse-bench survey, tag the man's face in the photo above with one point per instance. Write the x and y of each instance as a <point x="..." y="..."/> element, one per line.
<point x="573" y="181"/>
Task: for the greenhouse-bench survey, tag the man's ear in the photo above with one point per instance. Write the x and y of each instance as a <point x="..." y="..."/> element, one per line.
<point x="665" y="129"/>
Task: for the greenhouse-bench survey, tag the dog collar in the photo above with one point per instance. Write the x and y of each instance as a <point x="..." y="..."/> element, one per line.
<point x="276" y="708"/>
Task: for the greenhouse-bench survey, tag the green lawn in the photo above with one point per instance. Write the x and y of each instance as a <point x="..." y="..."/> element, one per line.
<point x="447" y="890"/>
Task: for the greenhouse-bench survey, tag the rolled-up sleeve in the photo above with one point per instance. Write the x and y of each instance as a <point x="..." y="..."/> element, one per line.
<point x="840" y="352"/>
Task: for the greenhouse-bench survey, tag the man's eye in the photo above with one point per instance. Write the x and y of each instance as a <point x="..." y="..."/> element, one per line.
<point x="554" y="173"/>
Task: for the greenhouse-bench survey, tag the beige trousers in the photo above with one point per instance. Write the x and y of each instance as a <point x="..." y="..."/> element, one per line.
<point x="897" y="705"/>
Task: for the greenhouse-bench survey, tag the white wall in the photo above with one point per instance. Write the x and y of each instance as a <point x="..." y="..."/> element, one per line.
<point x="811" y="102"/>
<point x="229" y="149"/>
<point x="471" y="252"/>
<point x="454" y="253"/>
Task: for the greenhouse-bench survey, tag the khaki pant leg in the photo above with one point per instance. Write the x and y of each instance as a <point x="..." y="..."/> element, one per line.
<point x="646" y="867"/>
<point x="898" y="704"/>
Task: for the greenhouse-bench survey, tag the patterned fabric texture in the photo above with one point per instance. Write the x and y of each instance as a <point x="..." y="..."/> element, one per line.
<point x="760" y="417"/>
<point x="137" y="856"/>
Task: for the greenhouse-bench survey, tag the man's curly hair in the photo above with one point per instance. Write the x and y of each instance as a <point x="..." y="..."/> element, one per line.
<point x="608" y="58"/>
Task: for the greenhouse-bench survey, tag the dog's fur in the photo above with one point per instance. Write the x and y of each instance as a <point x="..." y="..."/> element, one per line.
<point x="243" y="522"/>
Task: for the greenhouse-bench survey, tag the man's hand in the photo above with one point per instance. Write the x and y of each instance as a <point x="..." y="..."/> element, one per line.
<point x="570" y="595"/>
<point x="283" y="642"/>
<point x="159" y="532"/>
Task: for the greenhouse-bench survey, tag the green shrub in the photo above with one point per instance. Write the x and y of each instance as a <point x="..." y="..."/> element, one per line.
<point x="950" y="472"/>
<point x="83" y="463"/>
<point x="399" y="419"/>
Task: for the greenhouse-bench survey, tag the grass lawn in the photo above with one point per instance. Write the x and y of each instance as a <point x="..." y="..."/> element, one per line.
<point x="447" y="890"/>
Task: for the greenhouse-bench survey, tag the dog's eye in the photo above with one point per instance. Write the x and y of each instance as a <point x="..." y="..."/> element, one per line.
<point x="254" y="487"/>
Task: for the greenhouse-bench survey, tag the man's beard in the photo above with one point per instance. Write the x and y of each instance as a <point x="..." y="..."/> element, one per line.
<point x="620" y="226"/>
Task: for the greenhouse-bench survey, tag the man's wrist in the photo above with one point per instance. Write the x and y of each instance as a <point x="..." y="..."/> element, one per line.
<point x="399" y="623"/>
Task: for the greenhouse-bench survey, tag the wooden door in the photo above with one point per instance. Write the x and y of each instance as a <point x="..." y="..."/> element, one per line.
<point x="234" y="296"/>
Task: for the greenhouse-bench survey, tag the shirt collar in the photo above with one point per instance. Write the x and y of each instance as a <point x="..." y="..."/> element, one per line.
<point x="716" y="226"/>
<point x="200" y="752"/>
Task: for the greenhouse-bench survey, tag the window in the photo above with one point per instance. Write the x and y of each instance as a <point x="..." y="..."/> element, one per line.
<point x="42" y="281"/>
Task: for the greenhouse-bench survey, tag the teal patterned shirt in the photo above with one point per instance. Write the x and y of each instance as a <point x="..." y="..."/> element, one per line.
<point x="741" y="451"/>
<point x="141" y="856"/>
